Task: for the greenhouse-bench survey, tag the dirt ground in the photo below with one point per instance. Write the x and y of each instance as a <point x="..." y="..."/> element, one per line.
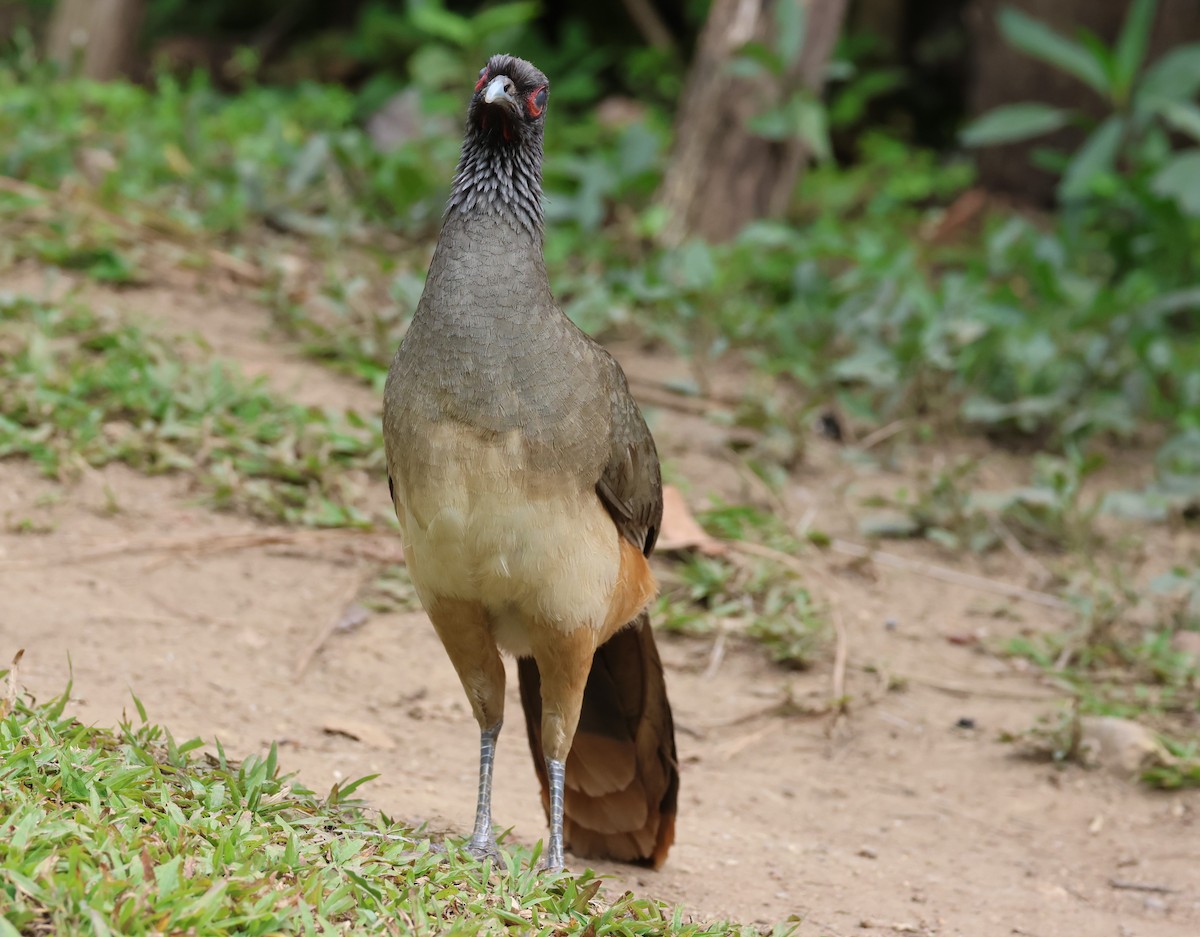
<point x="892" y="819"/>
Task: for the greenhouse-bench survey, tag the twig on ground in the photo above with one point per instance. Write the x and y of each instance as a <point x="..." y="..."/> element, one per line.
<point x="717" y="655"/>
<point x="1065" y="655"/>
<point x="234" y="266"/>
<point x="952" y="576"/>
<point x="960" y="690"/>
<point x="840" y="655"/>
<point x="899" y="928"/>
<point x="918" y="567"/>
<point x="351" y="543"/>
<point x="838" y="704"/>
<point x="197" y="618"/>
<point x="1017" y="549"/>
<point x="348" y="595"/>
<point x="1124" y="885"/>
<point x="880" y="435"/>
<point x="804" y="525"/>
<point x="743" y="742"/>
<point x="770" y="553"/>
<point x="641" y="385"/>
<point x="658" y="396"/>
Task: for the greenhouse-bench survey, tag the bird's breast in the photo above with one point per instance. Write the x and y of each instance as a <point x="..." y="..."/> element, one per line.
<point x="484" y="520"/>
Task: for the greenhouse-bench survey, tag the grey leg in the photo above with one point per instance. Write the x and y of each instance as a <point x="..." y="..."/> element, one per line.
<point x="483" y="841"/>
<point x="557" y="772"/>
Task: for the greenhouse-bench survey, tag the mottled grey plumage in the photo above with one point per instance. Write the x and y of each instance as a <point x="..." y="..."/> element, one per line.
<point x="490" y="349"/>
<point x="495" y="175"/>
<point x="511" y="441"/>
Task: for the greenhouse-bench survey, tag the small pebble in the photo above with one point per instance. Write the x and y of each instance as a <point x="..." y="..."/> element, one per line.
<point x="965" y="722"/>
<point x="891" y="624"/>
<point x="868" y="853"/>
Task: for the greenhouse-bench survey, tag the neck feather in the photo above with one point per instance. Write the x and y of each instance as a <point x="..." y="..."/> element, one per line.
<point x="500" y="179"/>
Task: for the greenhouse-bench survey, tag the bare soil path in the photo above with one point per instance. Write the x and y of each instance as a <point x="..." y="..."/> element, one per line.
<point x="891" y="819"/>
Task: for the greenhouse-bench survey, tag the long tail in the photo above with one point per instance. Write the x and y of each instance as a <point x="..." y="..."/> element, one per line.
<point x="622" y="774"/>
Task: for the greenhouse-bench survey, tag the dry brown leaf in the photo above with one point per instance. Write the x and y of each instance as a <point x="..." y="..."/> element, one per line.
<point x="681" y="531"/>
<point x="9" y="700"/>
<point x="362" y="731"/>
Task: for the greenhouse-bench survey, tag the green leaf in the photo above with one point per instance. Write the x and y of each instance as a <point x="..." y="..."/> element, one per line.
<point x="1174" y="77"/>
<point x="772" y="124"/>
<point x="439" y="23"/>
<point x="1013" y="122"/>
<point x="890" y="524"/>
<point x="754" y="59"/>
<point x="803" y="118"/>
<point x="1184" y="117"/>
<point x="850" y="103"/>
<point x="1097" y="155"/>
<point x="1131" y="45"/>
<point x="503" y="16"/>
<point x="695" y="268"/>
<point x="789" y="26"/>
<point x="1177" y="463"/>
<point x="1038" y="40"/>
<point x="812" y="127"/>
<point x="1167" y="304"/>
<point x="1179" y="180"/>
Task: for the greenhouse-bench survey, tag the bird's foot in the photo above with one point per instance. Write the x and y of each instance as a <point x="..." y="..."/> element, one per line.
<point x="484" y="848"/>
<point x="552" y="861"/>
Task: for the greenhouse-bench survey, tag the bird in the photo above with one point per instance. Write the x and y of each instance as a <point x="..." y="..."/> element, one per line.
<point x="528" y="491"/>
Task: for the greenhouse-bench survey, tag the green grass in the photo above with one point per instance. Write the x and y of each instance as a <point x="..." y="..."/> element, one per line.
<point x="744" y="594"/>
<point x="1048" y="515"/>
<point x="1122" y="660"/>
<point x="125" y="831"/>
<point x="1026" y="331"/>
<point x="80" y="387"/>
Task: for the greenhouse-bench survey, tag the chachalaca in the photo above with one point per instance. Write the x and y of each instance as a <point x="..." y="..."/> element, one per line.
<point x="528" y="492"/>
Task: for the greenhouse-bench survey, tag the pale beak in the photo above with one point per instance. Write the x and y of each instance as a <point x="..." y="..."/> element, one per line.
<point x="500" y="91"/>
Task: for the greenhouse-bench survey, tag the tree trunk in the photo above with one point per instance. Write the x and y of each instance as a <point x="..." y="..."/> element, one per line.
<point x="100" y="35"/>
<point x="722" y="176"/>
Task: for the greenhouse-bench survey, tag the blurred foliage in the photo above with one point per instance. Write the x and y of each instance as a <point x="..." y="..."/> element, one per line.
<point x="82" y="388"/>
<point x="875" y="295"/>
<point x="1128" y="181"/>
<point x="750" y="595"/>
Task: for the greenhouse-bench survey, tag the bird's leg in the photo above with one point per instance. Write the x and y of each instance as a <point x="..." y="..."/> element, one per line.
<point x="467" y="637"/>
<point x="556" y="771"/>
<point x="564" y="660"/>
<point x="483" y="840"/>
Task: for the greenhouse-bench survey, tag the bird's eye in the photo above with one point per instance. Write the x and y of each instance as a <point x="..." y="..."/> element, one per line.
<point x="483" y="73"/>
<point x="537" y="102"/>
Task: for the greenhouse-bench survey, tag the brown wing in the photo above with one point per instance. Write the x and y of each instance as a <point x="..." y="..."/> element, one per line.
<point x="631" y="484"/>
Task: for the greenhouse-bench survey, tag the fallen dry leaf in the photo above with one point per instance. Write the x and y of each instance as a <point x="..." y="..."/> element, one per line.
<point x="681" y="531"/>
<point x="362" y="731"/>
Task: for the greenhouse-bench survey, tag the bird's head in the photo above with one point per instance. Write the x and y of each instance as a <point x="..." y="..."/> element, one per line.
<point x="508" y="106"/>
